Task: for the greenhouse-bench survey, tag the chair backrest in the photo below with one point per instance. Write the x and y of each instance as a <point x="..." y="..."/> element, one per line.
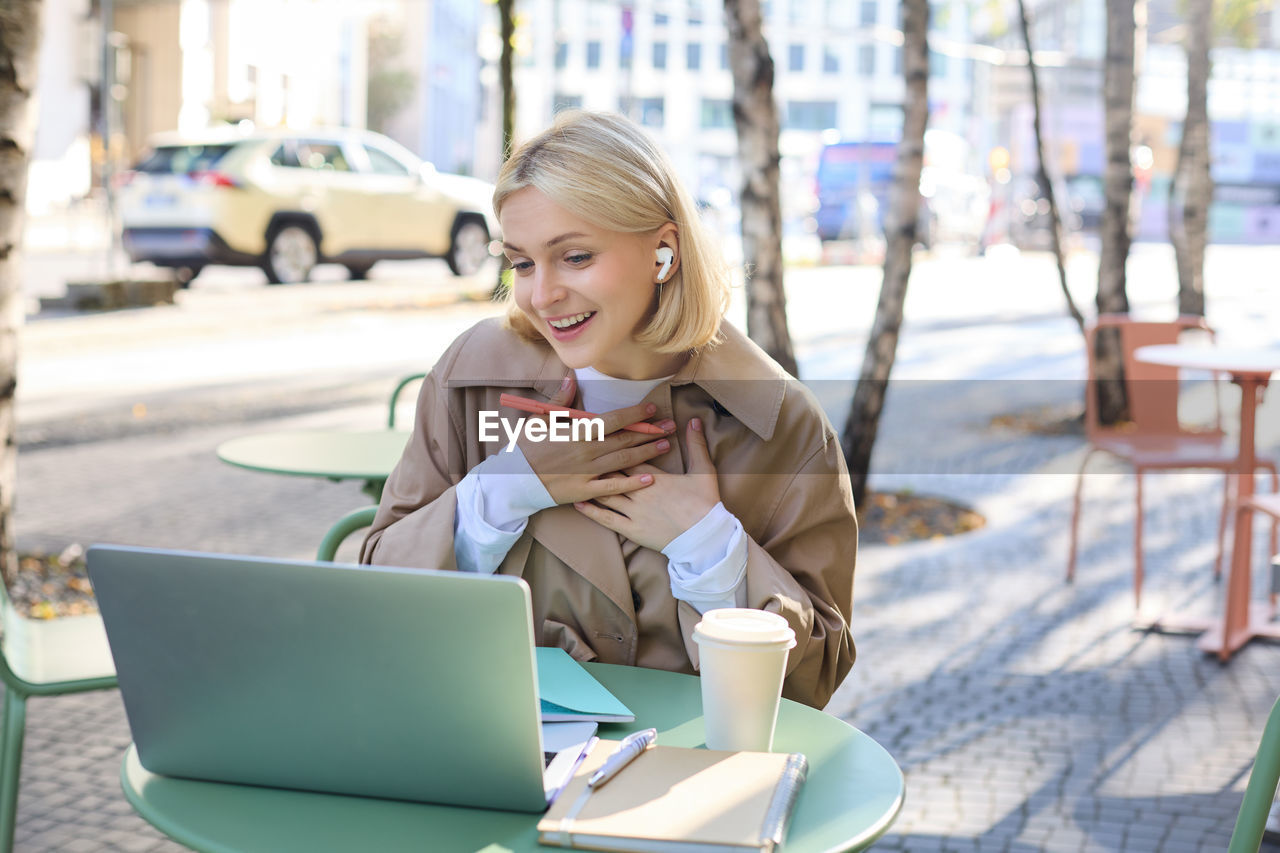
<point x="395" y="397"/>
<point x="1152" y="388"/>
<point x="341" y="529"/>
<point x="1261" y="791"/>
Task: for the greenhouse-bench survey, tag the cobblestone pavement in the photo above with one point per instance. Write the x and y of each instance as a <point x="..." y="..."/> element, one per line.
<point x="1025" y="712"/>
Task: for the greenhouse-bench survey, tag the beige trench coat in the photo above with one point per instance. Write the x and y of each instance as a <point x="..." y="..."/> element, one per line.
<point x="595" y="593"/>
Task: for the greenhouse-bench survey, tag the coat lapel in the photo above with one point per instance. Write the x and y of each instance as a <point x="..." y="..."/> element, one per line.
<point x="588" y="548"/>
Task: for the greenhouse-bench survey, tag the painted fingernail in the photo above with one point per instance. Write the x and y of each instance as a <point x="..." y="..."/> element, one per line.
<point x="697" y="424"/>
<point x="664" y="445"/>
<point x="667" y="425"/>
<point x="579" y="504"/>
<point x="650" y="409"/>
<point x="646" y="478"/>
<point x="564" y="386"/>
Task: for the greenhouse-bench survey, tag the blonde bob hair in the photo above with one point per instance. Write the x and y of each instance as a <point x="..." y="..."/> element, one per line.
<point x="604" y="169"/>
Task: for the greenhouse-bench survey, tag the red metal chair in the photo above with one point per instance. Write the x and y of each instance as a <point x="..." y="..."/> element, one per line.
<point x="1154" y="438"/>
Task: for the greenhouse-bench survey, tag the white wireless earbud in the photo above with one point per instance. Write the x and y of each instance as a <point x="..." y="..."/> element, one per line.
<point x="665" y="257"/>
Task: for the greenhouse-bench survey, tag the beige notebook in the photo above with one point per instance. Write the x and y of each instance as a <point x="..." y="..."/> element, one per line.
<point x="678" y="800"/>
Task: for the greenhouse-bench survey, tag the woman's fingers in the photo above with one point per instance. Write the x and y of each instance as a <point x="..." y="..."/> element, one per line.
<point x="619" y="418"/>
<point x="616" y="484"/>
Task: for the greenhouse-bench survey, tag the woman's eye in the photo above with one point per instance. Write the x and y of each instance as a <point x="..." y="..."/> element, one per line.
<point x="522" y="266"/>
<point x="578" y="259"/>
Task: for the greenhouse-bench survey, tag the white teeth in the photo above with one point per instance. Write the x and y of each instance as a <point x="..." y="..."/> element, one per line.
<point x="566" y="322"/>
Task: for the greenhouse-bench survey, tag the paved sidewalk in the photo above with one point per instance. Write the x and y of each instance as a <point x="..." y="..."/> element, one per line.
<point x="1025" y="713"/>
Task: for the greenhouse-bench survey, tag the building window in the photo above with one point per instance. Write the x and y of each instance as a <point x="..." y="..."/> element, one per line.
<point x="593" y="54"/>
<point x="830" y="61"/>
<point x="716" y="113"/>
<point x="660" y="20"/>
<point x="695" y="13"/>
<point x="659" y="54"/>
<point x="648" y="111"/>
<point x="724" y="57"/>
<point x="795" y="57"/>
<point x="561" y="102"/>
<point x="867" y="60"/>
<point x="867" y="13"/>
<point x="810" y="115"/>
<point x="562" y="54"/>
<point x="693" y="56"/>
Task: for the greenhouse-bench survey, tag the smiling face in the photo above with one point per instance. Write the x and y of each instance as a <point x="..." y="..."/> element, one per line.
<point x="586" y="289"/>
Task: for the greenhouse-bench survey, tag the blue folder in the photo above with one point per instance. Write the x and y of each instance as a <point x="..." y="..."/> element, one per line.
<point x="569" y="693"/>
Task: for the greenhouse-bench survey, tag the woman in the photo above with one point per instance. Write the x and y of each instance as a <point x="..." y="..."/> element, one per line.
<point x="740" y="499"/>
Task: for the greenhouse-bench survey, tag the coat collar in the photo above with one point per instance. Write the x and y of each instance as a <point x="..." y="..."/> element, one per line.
<point x="735" y="372"/>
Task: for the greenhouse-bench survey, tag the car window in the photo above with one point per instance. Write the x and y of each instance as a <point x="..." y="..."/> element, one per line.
<point x="322" y="155"/>
<point x="182" y="159"/>
<point x="383" y="163"/>
<point x="286" y="154"/>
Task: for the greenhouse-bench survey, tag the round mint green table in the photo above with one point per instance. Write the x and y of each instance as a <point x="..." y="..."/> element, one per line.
<point x="367" y="455"/>
<point x="853" y="792"/>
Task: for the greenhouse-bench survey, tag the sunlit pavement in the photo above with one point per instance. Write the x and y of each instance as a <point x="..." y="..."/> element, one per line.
<point x="1024" y="712"/>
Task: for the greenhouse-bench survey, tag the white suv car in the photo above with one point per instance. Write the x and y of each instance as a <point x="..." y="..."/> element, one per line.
<point x="285" y="200"/>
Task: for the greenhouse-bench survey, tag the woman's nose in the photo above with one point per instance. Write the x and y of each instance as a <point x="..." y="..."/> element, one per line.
<point x="546" y="291"/>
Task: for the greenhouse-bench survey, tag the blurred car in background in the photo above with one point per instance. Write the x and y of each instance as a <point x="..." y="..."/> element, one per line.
<point x="854" y="182"/>
<point x="286" y="200"/>
<point x="1080" y="203"/>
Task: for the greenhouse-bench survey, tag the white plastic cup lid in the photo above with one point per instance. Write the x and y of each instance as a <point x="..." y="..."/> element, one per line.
<point x="740" y="625"/>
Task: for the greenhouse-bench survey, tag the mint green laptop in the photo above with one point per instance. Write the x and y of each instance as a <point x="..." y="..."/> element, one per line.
<point x="399" y="683"/>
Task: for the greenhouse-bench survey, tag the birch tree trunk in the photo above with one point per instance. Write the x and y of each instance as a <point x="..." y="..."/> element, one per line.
<point x="755" y="115"/>
<point x="1118" y="93"/>
<point x="1191" y="192"/>
<point x="506" y="81"/>
<point x="19" y="43"/>
<point x="1055" y="220"/>
<point x="900" y="235"/>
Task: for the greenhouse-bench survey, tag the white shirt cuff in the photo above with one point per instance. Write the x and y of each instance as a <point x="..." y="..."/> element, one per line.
<point x="495" y="500"/>
<point x="707" y="563"/>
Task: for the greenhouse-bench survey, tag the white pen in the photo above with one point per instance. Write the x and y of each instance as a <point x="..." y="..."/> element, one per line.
<point x="632" y="746"/>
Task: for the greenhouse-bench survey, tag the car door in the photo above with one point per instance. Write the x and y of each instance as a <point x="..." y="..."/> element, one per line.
<point x="392" y="185"/>
<point x="335" y="195"/>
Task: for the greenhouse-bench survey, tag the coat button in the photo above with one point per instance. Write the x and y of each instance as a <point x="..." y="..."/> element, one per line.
<point x="636" y="600"/>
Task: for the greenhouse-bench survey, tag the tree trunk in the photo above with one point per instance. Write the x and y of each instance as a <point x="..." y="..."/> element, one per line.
<point x="19" y="43"/>
<point x="900" y="235"/>
<point x="507" y="27"/>
<point x="755" y="115"/>
<point x="1118" y="92"/>
<point x="1192" y="189"/>
<point x="1055" y="220"/>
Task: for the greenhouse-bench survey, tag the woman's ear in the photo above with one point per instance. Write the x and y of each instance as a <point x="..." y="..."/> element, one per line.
<point x="668" y="242"/>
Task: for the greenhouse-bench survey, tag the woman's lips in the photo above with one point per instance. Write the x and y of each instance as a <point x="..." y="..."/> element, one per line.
<point x="572" y="332"/>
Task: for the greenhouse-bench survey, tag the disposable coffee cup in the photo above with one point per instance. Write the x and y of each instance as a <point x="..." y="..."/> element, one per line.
<point x="742" y="657"/>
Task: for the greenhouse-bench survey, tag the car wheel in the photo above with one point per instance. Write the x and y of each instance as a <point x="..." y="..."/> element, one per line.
<point x="358" y="272"/>
<point x="469" y="247"/>
<point x="184" y="275"/>
<point x="291" y="255"/>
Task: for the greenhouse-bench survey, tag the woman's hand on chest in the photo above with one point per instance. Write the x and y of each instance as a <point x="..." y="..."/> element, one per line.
<point x="584" y="469"/>
<point x="673" y="503"/>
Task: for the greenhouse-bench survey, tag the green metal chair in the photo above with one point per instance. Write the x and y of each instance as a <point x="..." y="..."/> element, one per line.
<point x="42" y="658"/>
<point x="395" y="396"/>
<point x="342" y="528"/>
<point x="1258" y="795"/>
